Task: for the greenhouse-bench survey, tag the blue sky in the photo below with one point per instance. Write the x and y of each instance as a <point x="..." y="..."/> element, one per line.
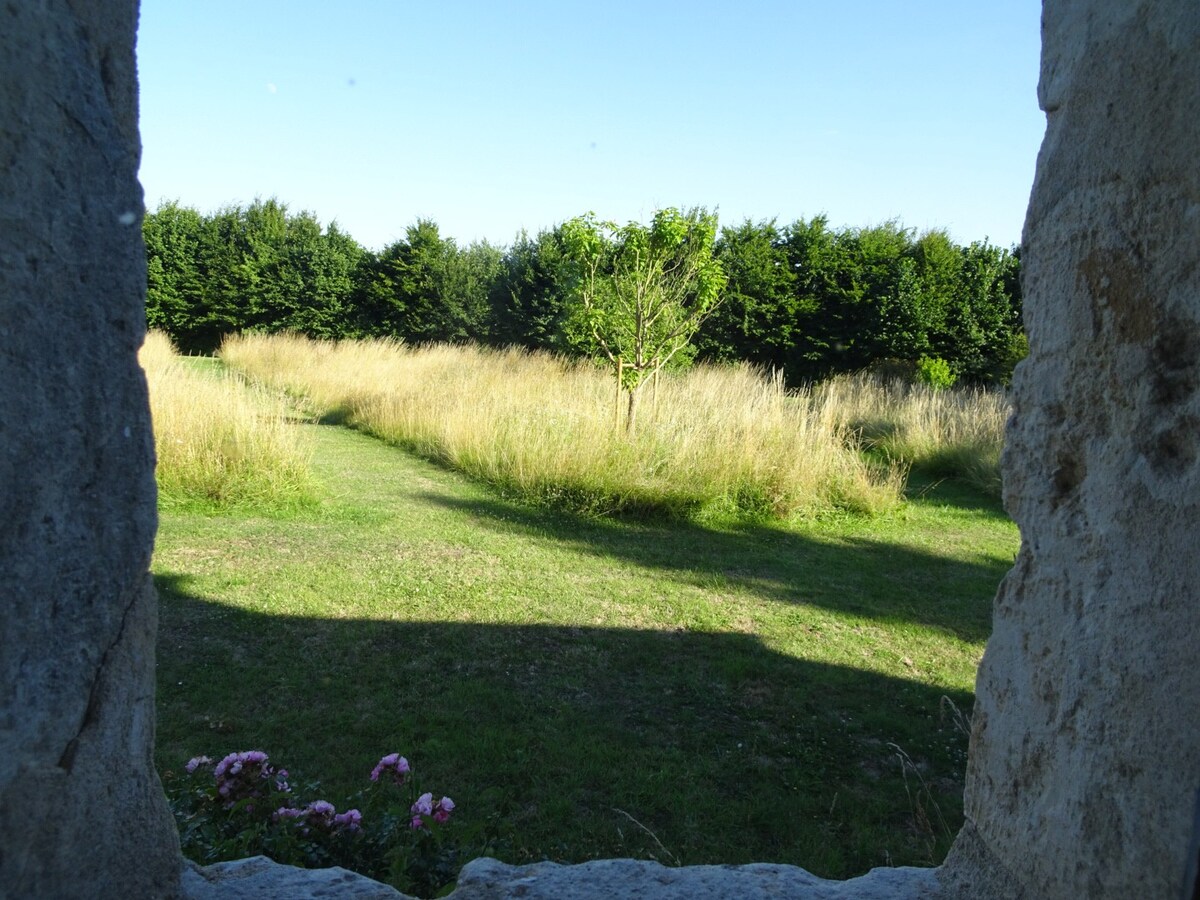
<point x="489" y="117"/>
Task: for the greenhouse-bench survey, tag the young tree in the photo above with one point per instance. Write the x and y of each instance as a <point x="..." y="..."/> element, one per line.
<point x="642" y="291"/>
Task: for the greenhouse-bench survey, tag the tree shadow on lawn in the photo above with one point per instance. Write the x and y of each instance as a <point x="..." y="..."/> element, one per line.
<point x="852" y="575"/>
<point x="726" y="750"/>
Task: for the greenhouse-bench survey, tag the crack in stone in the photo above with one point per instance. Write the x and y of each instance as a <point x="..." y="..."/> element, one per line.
<point x="91" y="712"/>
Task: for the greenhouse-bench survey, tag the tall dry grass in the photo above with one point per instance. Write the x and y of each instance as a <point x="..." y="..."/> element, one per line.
<point x="957" y="433"/>
<point x="709" y="442"/>
<point x="219" y="439"/>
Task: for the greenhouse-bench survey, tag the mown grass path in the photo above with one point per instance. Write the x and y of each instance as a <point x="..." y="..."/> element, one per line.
<point x="734" y="691"/>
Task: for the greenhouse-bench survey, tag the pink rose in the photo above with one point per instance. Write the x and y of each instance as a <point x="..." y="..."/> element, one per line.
<point x="424" y="805"/>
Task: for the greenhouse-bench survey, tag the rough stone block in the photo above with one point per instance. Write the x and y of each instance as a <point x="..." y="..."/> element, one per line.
<point x="258" y="878"/>
<point x="81" y="810"/>
<point x="1084" y="755"/>
<point x="625" y="879"/>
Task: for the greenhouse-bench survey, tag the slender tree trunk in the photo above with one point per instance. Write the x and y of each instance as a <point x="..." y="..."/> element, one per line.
<point x="631" y="412"/>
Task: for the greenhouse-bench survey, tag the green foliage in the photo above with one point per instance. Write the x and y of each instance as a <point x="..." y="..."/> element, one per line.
<point x="938" y="262"/>
<point x="174" y="287"/>
<point x="326" y="267"/>
<point x="812" y="301"/>
<point x="806" y="299"/>
<point x="471" y="275"/>
<point x="757" y="321"/>
<point x="935" y="372"/>
<point x="983" y="318"/>
<point x="529" y="299"/>
<point x="257" y="267"/>
<point x="863" y="297"/>
<point x="425" y="288"/>
<point x="822" y="265"/>
<point x="1017" y="350"/>
<point x="642" y="291"/>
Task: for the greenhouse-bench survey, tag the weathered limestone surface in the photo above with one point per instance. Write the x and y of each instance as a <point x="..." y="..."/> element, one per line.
<point x="606" y="879"/>
<point x="610" y="879"/>
<point x="258" y="878"/>
<point x="81" y="810"/>
<point x="1085" y="755"/>
<point x="618" y="879"/>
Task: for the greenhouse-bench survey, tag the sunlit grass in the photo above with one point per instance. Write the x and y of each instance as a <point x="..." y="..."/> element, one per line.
<point x="219" y="440"/>
<point x="710" y="443"/>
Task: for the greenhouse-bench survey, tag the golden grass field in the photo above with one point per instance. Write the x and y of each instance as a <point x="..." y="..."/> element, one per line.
<point x="710" y="441"/>
<point x="218" y="439"/>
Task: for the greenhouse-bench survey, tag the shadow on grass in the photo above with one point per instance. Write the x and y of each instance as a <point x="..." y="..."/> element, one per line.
<point x="858" y="576"/>
<point x="939" y="489"/>
<point x="726" y="750"/>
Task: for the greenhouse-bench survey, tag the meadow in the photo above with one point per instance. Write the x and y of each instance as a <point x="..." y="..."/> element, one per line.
<point x="778" y="671"/>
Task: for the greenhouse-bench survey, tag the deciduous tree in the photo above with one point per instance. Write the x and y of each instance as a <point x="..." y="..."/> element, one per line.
<point x="642" y="291"/>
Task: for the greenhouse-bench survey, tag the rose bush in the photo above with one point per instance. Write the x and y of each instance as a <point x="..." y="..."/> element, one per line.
<point x="245" y="806"/>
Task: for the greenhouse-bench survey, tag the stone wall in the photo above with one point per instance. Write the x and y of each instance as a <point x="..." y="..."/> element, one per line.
<point x="1085" y="756"/>
<point x="81" y="811"/>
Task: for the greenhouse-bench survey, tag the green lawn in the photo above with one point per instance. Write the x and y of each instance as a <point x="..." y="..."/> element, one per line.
<point x="737" y="692"/>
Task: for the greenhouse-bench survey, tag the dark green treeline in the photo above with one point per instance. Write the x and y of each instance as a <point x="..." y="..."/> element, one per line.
<point x="804" y="298"/>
